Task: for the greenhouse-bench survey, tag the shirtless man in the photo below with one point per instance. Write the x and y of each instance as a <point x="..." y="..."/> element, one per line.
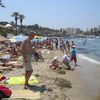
<point x="26" y="50"/>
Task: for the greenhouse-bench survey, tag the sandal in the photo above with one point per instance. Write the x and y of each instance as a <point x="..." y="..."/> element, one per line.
<point x="26" y="86"/>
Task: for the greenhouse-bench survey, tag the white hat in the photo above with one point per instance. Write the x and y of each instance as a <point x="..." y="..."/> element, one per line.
<point x="55" y="57"/>
<point x="33" y="47"/>
<point x="73" y="46"/>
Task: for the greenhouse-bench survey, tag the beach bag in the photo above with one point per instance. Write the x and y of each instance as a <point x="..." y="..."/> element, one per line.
<point x="5" y="92"/>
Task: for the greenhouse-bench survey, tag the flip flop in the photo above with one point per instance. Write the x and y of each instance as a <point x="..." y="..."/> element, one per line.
<point x="26" y="86"/>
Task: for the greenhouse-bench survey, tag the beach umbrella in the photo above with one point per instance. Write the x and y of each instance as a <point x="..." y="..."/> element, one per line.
<point x="39" y="39"/>
<point x="12" y="40"/>
<point x="36" y="38"/>
<point x="18" y="38"/>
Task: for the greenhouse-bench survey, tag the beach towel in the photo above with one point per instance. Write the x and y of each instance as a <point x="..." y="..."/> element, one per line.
<point x="27" y="94"/>
<point x="21" y="80"/>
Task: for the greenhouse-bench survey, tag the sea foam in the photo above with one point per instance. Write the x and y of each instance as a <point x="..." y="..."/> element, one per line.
<point x="82" y="56"/>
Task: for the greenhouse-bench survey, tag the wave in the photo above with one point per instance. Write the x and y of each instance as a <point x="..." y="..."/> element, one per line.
<point x="88" y="59"/>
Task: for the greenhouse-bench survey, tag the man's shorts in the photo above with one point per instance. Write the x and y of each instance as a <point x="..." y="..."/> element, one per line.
<point x="73" y="58"/>
<point x="28" y="65"/>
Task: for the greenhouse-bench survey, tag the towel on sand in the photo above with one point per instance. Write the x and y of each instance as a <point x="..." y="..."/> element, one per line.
<point x="21" y="80"/>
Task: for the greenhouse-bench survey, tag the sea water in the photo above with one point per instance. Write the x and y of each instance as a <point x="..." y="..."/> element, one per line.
<point x="88" y="50"/>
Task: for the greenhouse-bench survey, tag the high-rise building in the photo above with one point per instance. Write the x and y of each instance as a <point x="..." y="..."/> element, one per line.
<point x="99" y="27"/>
<point x="77" y="30"/>
<point x="70" y="30"/>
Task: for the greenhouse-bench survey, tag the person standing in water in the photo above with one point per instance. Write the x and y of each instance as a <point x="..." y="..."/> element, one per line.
<point x="68" y="47"/>
<point x="72" y="44"/>
<point x="84" y="41"/>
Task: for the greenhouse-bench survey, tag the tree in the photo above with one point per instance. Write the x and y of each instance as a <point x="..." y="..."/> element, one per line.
<point x="16" y="15"/>
<point x="21" y="17"/>
<point x="1" y="4"/>
<point x="64" y="33"/>
<point x="12" y="23"/>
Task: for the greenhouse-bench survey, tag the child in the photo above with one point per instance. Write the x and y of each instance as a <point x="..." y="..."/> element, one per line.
<point x="66" y="60"/>
<point x="54" y="63"/>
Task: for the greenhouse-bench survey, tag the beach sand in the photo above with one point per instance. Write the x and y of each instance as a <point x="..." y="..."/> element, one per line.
<point x="53" y="85"/>
<point x="89" y="74"/>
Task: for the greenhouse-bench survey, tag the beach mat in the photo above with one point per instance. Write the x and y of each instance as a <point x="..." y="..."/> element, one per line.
<point x="21" y="80"/>
<point x="25" y="94"/>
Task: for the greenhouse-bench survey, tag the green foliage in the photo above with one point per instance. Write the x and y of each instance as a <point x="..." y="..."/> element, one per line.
<point x="1" y="4"/>
<point x="4" y="31"/>
<point x="12" y="23"/>
<point x="39" y="30"/>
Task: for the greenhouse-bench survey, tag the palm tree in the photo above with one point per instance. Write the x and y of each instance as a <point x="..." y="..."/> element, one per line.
<point x="16" y="15"/>
<point x="1" y="4"/>
<point x="21" y="17"/>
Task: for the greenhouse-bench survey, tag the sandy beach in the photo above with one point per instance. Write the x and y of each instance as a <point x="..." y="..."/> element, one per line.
<point x="54" y="84"/>
<point x="88" y="74"/>
<point x="63" y="39"/>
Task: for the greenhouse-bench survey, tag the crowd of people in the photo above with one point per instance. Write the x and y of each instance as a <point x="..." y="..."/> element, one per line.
<point x="27" y="49"/>
<point x="69" y="52"/>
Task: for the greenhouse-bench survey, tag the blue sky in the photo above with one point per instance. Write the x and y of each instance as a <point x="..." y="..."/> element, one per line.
<point x="54" y="13"/>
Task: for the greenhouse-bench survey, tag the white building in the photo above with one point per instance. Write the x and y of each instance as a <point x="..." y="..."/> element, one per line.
<point x="77" y="30"/>
<point x="99" y="27"/>
<point x="72" y="31"/>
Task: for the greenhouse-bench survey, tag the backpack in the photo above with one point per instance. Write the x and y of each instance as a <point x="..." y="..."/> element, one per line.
<point x="5" y="92"/>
